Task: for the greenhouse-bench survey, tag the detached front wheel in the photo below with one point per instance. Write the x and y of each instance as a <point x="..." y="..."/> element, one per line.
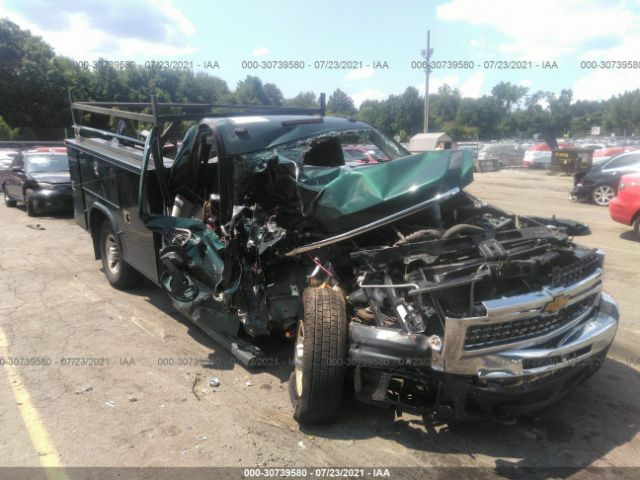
<point x="320" y="353"/>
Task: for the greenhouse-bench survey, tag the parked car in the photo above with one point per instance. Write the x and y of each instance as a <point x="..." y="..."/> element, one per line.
<point x="625" y="207"/>
<point x="539" y="155"/>
<point x="40" y="179"/>
<point x="388" y="275"/>
<point x="604" y="154"/>
<point x="599" y="184"/>
<point x="593" y="146"/>
<point x="506" y="154"/>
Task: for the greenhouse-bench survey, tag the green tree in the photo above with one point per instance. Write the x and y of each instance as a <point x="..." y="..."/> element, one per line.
<point x="303" y="100"/>
<point x="622" y="114"/>
<point x="340" y="103"/>
<point x="34" y="102"/>
<point x="560" y="111"/>
<point x="6" y="132"/>
<point x="443" y="107"/>
<point x="250" y="91"/>
<point x="274" y="95"/>
<point x="380" y="114"/>
<point x="508" y="95"/>
<point x="25" y="96"/>
<point x="411" y="111"/>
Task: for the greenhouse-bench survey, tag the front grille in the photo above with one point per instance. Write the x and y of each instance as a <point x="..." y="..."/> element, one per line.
<point x="495" y="334"/>
<point x="582" y="268"/>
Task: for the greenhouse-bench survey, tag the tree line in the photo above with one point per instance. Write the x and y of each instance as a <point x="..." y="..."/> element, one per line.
<point x="34" y="101"/>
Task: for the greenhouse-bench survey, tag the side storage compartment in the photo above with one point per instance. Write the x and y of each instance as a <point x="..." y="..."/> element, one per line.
<point x="79" y="205"/>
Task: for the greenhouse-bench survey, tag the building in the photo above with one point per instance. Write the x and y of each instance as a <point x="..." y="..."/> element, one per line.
<point x="423" y="142"/>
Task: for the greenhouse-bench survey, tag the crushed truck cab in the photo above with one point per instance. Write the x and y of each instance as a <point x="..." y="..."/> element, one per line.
<point x="385" y="274"/>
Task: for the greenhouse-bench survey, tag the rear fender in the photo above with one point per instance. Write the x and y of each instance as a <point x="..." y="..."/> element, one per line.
<point x="98" y="214"/>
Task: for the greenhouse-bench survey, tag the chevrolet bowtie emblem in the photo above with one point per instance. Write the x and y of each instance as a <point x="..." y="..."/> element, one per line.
<point x="556" y="304"/>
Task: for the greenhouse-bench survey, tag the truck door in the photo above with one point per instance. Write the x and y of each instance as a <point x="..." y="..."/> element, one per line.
<point x="152" y="165"/>
<point x="141" y="196"/>
<point x="194" y="176"/>
<point x="191" y="255"/>
<point x="138" y="242"/>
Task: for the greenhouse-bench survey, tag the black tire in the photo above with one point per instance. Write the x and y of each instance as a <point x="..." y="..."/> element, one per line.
<point x="119" y="273"/>
<point x="8" y="201"/>
<point x="317" y="382"/>
<point x="31" y="208"/>
<point x="636" y="226"/>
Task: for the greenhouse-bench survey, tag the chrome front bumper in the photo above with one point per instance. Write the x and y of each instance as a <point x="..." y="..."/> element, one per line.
<point x="575" y="340"/>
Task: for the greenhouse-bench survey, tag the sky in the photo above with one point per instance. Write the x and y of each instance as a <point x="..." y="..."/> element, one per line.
<point x="380" y="39"/>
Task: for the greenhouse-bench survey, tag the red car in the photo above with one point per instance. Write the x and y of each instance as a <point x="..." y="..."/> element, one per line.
<point x="625" y="208"/>
<point x="363" y="154"/>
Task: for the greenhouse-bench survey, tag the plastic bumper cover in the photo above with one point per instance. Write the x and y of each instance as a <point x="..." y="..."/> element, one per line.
<point x="53" y="199"/>
<point x="580" y="192"/>
<point x="621" y="211"/>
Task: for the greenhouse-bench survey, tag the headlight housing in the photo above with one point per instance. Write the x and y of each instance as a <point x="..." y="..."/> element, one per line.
<point x="45" y="186"/>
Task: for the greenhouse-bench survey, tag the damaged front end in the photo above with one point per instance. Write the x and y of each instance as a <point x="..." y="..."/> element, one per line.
<point x="452" y="306"/>
<point x="495" y="315"/>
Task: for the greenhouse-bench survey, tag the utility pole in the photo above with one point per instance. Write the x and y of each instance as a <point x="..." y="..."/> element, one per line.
<point x="426" y="54"/>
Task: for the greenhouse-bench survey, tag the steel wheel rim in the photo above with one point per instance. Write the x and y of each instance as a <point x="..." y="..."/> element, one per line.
<point x="113" y="254"/>
<point x="603" y="194"/>
<point x="298" y="356"/>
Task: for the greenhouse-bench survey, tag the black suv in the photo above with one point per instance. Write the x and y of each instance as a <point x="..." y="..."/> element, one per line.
<point x="40" y="179"/>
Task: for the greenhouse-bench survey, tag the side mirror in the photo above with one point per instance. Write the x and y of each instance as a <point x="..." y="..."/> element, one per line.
<point x="17" y="169"/>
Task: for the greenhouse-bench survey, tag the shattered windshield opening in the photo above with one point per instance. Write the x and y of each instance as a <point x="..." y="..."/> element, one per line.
<point x="353" y="148"/>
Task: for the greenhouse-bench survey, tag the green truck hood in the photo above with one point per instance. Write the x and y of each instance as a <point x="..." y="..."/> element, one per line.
<point x="342" y="198"/>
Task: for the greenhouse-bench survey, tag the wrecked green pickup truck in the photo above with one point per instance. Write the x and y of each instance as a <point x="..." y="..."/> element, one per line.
<point x="383" y="273"/>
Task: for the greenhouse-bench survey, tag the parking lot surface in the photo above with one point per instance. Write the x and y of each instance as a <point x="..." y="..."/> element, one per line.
<point x="92" y="376"/>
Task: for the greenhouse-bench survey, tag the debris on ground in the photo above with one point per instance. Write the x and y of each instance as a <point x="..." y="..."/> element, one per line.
<point x="214" y="382"/>
<point x="193" y="385"/>
<point x="110" y="403"/>
<point x="248" y="383"/>
<point x="81" y="390"/>
<point x="36" y="226"/>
